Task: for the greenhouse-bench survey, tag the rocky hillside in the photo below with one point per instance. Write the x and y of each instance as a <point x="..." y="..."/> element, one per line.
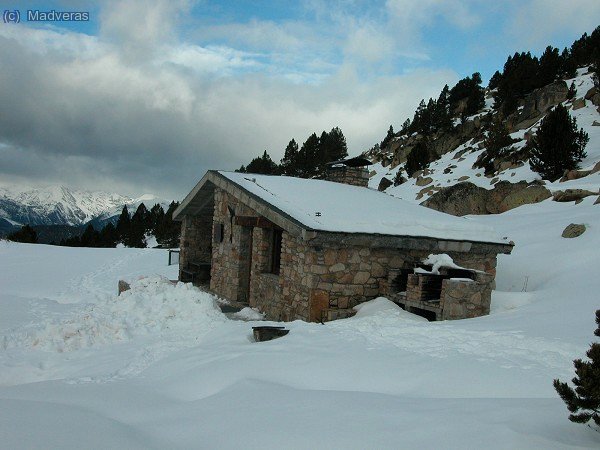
<point x="460" y="180"/>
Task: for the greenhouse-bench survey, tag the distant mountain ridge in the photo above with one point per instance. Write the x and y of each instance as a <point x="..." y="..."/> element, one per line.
<point x="59" y="205"/>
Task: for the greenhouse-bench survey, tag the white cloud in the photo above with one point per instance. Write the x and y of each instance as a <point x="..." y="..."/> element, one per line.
<point x="97" y="118"/>
<point x="536" y="22"/>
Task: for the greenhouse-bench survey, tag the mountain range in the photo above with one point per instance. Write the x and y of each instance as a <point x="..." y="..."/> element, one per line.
<point x="59" y="205"/>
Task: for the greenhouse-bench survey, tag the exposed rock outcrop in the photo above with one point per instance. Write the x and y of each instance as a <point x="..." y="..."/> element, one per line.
<point x="573" y="230"/>
<point x="572" y="195"/>
<point x="384" y="184"/>
<point x="467" y="198"/>
<point x="536" y="104"/>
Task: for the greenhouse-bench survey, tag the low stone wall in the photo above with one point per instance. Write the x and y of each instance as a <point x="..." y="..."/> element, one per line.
<point x="466" y="299"/>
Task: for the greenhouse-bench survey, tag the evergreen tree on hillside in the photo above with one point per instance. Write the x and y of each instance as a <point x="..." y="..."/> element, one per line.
<point x="26" y="235"/>
<point x="418" y="158"/>
<point x="583" y="402"/>
<point x="442" y="119"/>
<point x="550" y="66"/>
<point x="289" y="163"/>
<point x="156" y="215"/>
<point x="307" y="157"/>
<point x="332" y="147"/>
<point x="468" y="88"/>
<point x="497" y="143"/>
<point x="388" y="137"/>
<point x="262" y="165"/>
<point x="404" y="129"/>
<point x="495" y="80"/>
<point x="520" y="77"/>
<point x="558" y="145"/>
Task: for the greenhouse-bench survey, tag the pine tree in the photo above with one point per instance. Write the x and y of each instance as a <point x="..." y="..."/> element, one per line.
<point x="26" y="235"/>
<point x="388" y="137"/>
<point x="495" y="80"/>
<point x="167" y="232"/>
<point x="289" y="163"/>
<point x="334" y="147"/>
<point x="417" y="159"/>
<point x="262" y="165"/>
<point x="550" y="65"/>
<point x="405" y="127"/>
<point x="497" y="143"/>
<point x="90" y="237"/>
<point x="139" y="226"/>
<point x="583" y="402"/>
<point x="307" y="157"/>
<point x="123" y="224"/>
<point x="557" y="146"/>
<point x="572" y="91"/>
<point x="108" y="236"/>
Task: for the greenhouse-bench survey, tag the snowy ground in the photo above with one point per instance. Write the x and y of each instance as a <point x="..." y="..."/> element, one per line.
<point x="161" y="367"/>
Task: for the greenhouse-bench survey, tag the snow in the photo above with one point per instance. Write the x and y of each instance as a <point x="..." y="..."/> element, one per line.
<point x="161" y="367"/>
<point x="328" y="206"/>
<point x="441" y="260"/>
<point x="248" y="314"/>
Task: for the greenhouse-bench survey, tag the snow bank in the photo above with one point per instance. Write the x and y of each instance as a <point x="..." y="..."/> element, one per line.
<point x="248" y="314"/>
<point x="152" y="305"/>
<point x="382" y="307"/>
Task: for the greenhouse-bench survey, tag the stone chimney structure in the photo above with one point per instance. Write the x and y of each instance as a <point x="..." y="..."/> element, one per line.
<point x="349" y="171"/>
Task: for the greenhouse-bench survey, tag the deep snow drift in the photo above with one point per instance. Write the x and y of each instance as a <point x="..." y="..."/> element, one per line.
<point x="161" y="367"/>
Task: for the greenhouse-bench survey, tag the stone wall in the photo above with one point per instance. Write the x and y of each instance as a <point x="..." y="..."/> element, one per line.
<point x="466" y="299"/>
<point x="356" y="176"/>
<point x="341" y="278"/>
<point x="231" y="256"/>
<point x="195" y="241"/>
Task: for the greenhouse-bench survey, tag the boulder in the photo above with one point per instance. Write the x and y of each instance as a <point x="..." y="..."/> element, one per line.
<point x="574" y="175"/>
<point x="573" y="230"/>
<point x="384" y="184"/>
<point x="570" y="195"/>
<point x="423" y="181"/>
<point x="578" y="103"/>
<point x="593" y="95"/>
<point x="519" y="197"/>
<point x="467" y="198"/>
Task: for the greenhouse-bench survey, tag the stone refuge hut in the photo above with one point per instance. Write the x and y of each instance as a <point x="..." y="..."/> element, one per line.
<point x="313" y="249"/>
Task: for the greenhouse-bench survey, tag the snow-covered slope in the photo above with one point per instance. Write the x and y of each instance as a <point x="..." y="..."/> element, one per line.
<point x="161" y="367"/>
<point x="58" y="205"/>
<point x="457" y="165"/>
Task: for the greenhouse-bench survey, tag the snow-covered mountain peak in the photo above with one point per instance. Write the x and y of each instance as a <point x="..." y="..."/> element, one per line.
<point x="61" y="205"/>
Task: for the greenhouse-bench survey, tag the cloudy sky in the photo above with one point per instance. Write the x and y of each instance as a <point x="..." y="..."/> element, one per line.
<point x="147" y="96"/>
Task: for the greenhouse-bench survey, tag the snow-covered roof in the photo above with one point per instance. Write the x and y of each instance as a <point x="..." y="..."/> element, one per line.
<point x="321" y="205"/>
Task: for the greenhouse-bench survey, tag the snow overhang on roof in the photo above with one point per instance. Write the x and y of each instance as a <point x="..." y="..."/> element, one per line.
<point x="326" y="211"/>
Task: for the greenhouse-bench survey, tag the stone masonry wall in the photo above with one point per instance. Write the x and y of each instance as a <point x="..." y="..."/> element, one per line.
<point x="356" y="176"/>
<point x="228" y="255"/>
<point x="196" y="240"/>
<point x="283" y="296"/>
<point x="343" y="277"/>
<point x="466" y="299"/>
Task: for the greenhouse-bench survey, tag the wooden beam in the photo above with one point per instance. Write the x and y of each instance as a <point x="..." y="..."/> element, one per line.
<point x="250" y="221"/>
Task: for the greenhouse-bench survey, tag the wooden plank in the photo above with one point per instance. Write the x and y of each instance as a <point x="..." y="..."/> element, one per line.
<point x="250" y="221"/>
